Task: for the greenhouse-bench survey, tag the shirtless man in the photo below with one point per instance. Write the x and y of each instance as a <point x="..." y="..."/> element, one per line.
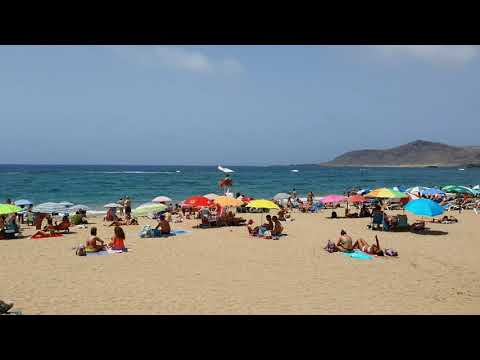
<point x="345" y="243"/>
<point x="277" y="228"/>
<point x="164" y="226"/>
<point x="92" y="245"/>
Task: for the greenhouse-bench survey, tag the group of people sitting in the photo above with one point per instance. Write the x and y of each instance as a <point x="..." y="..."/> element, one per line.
<point x="271" y="229"/>
<point x="95" y="244"/>
<point x="218" y="217"/>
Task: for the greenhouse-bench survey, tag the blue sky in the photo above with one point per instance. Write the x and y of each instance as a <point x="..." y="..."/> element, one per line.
<point x="234" y="105"/>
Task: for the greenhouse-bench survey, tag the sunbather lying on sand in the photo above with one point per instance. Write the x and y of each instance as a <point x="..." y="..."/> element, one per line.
<point x="373" y="249"/>
<point x="446" y="220"/>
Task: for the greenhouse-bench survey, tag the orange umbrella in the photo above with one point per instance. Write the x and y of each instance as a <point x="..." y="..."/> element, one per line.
<point x="356" y="199"/>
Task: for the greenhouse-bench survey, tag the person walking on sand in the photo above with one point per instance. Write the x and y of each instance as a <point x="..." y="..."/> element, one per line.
<point x="128" y="206"/>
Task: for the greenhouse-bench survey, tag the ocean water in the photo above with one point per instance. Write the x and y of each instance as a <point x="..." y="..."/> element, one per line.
<point x="95" y="186"/>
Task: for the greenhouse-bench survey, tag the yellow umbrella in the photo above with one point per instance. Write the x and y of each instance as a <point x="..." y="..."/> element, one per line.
<point x="227" y="201"/>
<point x="262" y="204"/>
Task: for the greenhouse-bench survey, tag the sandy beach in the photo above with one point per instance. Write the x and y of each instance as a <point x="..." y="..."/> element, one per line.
<point x="224" y="271"/>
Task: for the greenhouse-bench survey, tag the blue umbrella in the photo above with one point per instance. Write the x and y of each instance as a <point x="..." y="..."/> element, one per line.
<point x="433" y="191"/>
<point x="424" y="207"/>
<point x="23" y="202"/>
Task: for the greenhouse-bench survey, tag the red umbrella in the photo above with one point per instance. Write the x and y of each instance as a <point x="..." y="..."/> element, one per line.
<point x="247" y="199"/>
<point x="356" y="199"/>
<point x="198" y="201"/>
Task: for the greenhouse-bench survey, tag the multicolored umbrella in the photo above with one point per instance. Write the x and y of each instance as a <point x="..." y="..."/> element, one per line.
<point x="6" y="209"/>
<point x="227" y="201"/>
<point x="424" y="207"/>
<point x="386" y="193"/>
<point x="162" y="199"/>
<point x="333" y="199"/>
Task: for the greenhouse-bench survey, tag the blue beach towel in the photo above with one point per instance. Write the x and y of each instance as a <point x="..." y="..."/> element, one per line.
<point x="357" y="254"/>
<point x="181" y="232"/>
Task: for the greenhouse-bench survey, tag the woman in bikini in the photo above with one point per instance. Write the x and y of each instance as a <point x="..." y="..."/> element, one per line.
<point x="92" y="245"/>
<point x="118" y="239"/>
<point x="373" y="249"/>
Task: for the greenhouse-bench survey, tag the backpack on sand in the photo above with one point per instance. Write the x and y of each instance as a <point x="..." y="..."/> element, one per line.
<point x="391" y="252"/>
<point x="330" y="247"/>
<point x="81" y="251"/>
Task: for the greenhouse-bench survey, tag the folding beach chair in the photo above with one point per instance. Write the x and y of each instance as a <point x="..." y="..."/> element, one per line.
<point x="377" y="220"/>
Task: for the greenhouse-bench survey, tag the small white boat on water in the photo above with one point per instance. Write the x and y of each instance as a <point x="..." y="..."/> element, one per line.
<point x="461" y="169"/>
<point x="225" y="170"/>
<point x="295" y="171"/>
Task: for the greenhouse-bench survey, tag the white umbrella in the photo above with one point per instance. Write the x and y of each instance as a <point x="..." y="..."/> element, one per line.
<point x="112" y="206"/>
<point x="476" y="187"/>
<point x="49" y="208"/>
<point x="66" y="203"/>
<point x="417" y="189"/>
<point x="161" y="199"/>
<point x="281" y="196"/>
<point x="78" y="208"/>
<point x="211" y="196"/>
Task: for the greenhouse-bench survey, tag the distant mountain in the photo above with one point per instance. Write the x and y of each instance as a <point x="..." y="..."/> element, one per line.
<point x="416" y="154"/>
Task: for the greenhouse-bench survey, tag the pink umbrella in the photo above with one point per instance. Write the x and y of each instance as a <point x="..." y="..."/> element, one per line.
<point x="333" y="199"/>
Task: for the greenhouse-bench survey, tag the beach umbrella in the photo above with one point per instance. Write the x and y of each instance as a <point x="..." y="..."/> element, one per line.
<point x="356" y="199"/>
<point x="247" y="199"/>
<point x="433" y="191"/>
<point x="6" y="209"/>
<point x="211" y="196"/>
<point x="49" y="208"/>
<point x="454" y="189"/>
<point x="476" y="187"/>
<point x="400" y="188"/>
<point x="363" y="191"/>
<point x="23" y="202"/>
<point x="281" y="196"/>
<point x="112" y="206"/>
<point x="162" y="199"/>
<point x="227" y="201"/>
<point x="197" y="201"/>
<point x="424" y="207"/>
<point x="333" y="199"/>
<point x="77" y="208"/>
<point x="386" y="193"/>
<point x="416" y="189"/>
<point x="147" y="209"/>
<point x="262" y="204"/>
<point x="66" y="203"/>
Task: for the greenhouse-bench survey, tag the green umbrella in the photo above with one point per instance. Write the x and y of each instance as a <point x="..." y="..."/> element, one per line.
<point x="454" y="189"/>
<point x="149" y="209"/>
<point x="6" y="209"/>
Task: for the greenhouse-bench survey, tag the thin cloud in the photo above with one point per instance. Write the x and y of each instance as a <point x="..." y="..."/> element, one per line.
<point x="434" y="54"/>
<point x="180" y="58"/>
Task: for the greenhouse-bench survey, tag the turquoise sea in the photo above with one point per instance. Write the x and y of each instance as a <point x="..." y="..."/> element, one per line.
<point x="97" y="185"/>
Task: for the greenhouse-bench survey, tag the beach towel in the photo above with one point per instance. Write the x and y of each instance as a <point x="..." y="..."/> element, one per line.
<point x="148" y="232"/>
<point x="106" y="252"/>
<point x="46" y="236"/>
<point x="357" y="254"/>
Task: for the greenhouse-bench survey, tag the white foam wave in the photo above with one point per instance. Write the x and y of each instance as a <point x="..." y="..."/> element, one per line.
<point x="133" y="172"/>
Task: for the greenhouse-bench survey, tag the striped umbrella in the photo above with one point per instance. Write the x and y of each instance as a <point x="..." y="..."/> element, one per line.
<point x="454" y="189"/>
<point x="386" y="193"/>
<point x="49" y="208"/>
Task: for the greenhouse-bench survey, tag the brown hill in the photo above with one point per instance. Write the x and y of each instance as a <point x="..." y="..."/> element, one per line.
<point x="417" y="153"/>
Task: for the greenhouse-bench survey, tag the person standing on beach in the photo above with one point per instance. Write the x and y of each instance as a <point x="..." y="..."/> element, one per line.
<point x="128" y="208"/>
<point x="121" y="203"/>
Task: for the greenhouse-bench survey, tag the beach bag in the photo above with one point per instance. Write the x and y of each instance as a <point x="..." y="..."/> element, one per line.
<point x="391" y="252"/>
<point x="146" y="232"/>
<point x="81" y="251"/>
<point x="267" y="234"/>
<point x="330" y="247"/>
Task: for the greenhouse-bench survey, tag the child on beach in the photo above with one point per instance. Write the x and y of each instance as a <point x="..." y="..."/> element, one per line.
<point x="118" y="239"/>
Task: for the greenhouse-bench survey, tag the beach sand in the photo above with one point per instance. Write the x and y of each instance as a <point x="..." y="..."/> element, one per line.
<point x="224" y="271"/>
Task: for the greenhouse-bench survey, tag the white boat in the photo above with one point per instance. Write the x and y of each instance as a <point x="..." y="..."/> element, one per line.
<point x="225" y="170"/>
<point x="177" y="171"/>
<point x="461" y="169"/>
<point x="294" y="170"/>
